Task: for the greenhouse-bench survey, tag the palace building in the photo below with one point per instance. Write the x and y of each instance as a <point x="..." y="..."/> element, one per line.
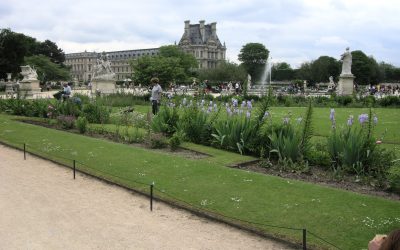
<point x="200" y="40"/>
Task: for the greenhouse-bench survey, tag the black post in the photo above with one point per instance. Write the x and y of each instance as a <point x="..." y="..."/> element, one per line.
<point x="74" y="169"/>
<point x="151" y="196"/>
<point x="304" y="239"/>
<point x="24" y="151"/>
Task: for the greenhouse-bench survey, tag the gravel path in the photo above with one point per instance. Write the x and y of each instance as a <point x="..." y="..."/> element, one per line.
<point x="42" y="207"/>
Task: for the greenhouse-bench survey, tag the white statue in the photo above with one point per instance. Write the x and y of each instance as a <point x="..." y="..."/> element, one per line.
<point x="346" y="66"/>
<point x="28" y="73"/>
<point x="102" y="70"/>
<point x="332" y="84"/>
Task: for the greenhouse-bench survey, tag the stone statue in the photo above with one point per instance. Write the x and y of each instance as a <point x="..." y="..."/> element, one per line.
<point x="248" y="81"/>
<point x="332" y="84"/>
<point x="28" y="73"/>
<point x="346" y="59"/>
<point x="102" y="69"/>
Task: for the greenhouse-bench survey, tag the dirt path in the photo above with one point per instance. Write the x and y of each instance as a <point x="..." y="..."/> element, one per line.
<point x="42" y="207"/>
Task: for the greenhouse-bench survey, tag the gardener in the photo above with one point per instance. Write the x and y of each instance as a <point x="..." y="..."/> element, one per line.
<point x="156" y="92"/>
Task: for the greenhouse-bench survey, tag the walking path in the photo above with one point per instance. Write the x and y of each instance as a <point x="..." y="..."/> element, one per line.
<point x="42" y="207"/>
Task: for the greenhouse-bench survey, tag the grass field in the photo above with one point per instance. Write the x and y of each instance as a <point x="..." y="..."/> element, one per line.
<point x="347" y="219"/>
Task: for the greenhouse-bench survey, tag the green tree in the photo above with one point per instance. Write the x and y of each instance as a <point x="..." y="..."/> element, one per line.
<point x="323" y="68"/>
<point x="225" y="71"/>
<point x="253" y="57"/>
<point x="13" y="48"/>
<point x="171" y="65"/>
<point x="51" y="50"/>
<point x="282" y="71"/>
<point x="46" y="69"/>
<point x="304" y="72"/>
<point x="364" y="68"/>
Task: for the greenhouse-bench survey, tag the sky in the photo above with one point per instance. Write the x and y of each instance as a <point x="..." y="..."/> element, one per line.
<point x="294" y="31"/>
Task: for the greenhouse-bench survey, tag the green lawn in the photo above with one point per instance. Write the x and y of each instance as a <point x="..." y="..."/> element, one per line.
<point x="347" y="219"/>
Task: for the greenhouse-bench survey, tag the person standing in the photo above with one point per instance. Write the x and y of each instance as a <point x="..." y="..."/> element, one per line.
<point x="156" y="92"/>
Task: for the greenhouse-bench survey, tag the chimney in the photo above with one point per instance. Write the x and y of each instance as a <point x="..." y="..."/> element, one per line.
<point x="187" y="27"/>
<point x="202" y="31"/>
<point x="214" y="29"/>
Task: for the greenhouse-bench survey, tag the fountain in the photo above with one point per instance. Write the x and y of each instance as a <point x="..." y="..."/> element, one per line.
<point x="260" y="88"/>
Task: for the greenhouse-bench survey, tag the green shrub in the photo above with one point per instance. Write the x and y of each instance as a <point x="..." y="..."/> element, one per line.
<point x="196" y="125"/>
<point x="389" y="101"/>
<point x="166" y="120"/>
<point x="81" y="124"/>
<point x="96" y="113"/>
<point x="174" y="142"/>
<point x="66" y="121"/>
<point x="344" y="100"/>
<point x="394" y="177"/>
<point x="157" y="140"/>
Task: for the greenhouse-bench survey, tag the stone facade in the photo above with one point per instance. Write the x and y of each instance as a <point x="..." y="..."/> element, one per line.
<point x="82" y="64"/>
<point x="202" y="41"/>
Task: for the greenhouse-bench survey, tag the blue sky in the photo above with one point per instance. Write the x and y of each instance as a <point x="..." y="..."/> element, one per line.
<point x="293" y="31"/>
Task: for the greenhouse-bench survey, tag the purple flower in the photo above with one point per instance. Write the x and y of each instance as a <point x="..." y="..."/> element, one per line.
<point x="229" y="111"/>
<point x="350" y="120"/>
<point x="249" y="105"/>
<point x="375" y="119"/>
<point x="215" y="107"/>
<point x="266" y="115"/>
<point x="209" y="109"/>
<point x="363" y="118"/>
<point x="234" y="102"/>
<point x="248" y="114"/>
<point x="332" y="115"/>
<point x="243" y="104"/>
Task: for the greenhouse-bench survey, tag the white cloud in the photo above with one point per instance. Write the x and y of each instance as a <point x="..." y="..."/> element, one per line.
<point x="293" y="31"/>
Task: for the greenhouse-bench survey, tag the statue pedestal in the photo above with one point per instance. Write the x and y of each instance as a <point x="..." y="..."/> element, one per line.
<point x="27" y="88"/>
<point x="346" y="84"/>
<point x="103" y="86"/>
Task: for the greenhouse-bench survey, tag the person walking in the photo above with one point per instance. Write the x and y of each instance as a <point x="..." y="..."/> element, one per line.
<point x="156" y="92"/>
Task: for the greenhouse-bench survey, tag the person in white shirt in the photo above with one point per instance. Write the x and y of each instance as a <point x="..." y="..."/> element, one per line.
<point x="66" y="91"/>
<point x="156" y="92"/>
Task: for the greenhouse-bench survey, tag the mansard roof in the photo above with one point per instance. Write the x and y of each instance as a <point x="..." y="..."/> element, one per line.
<point x="195" y="38"/>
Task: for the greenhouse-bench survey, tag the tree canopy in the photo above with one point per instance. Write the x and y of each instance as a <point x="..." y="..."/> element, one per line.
<point x="253" y="57"/>
<point x="46" y="69"/>
<point x="225" y="71"/>
<point x="14" y="47"/>
<point x="171" y="65"/>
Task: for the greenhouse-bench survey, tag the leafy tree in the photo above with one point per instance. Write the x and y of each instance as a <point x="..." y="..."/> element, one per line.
<point x="51" y="50"/>
<point x="13" y="48"/>
<point x="323" y="68"/>
<point x="167" y="69"/>
<point x="282" y="71"/>
<point x="171" y="65"/>
<point x="225" y="71"/>
<point x="253" y="57"/>
<point x="364" y="68"/>
<point x="46" y="69"/>
<point x="304" y="72"/>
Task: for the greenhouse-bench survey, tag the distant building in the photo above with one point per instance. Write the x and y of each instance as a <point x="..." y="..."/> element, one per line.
<point x="82" y="63"/>
<point x="202" y="42"/>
